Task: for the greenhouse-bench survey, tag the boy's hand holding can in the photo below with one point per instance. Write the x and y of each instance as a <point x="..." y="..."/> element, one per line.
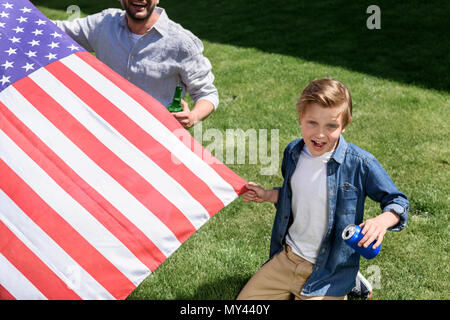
<point x="366" y="238"/>
<point x="375" y="228"/>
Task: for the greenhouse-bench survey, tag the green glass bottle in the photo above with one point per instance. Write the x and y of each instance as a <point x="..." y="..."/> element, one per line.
<point x="176" y="106"/>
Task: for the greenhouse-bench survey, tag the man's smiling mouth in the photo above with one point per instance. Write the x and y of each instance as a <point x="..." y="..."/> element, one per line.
<point x="139" y="4"/>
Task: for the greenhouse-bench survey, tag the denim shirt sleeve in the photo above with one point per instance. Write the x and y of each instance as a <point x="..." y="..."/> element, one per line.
<point x="379" y="187"/>
<point x="283" y="170"/>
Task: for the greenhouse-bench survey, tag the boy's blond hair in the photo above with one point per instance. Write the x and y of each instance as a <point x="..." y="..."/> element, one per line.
<point x="327" y="93"/>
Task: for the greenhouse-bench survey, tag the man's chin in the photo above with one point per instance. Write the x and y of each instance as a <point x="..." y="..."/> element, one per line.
<point x="138" y="19"/>
<point x="139" y="16"/>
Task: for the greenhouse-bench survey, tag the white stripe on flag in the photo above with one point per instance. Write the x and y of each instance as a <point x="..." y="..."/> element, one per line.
<point x="71" y="211"/>
<point x="126" y="151"/>
<point x="146" y="120"/>
<point x="95" y="176"/>
<point x="16" y="283"/>
<point x="67" y="269"/>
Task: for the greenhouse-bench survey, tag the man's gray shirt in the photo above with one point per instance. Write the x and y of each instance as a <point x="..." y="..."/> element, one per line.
<point x="165" y="56"/>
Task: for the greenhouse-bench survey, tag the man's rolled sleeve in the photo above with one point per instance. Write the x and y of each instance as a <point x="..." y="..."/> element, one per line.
<point x="198" y="77"/>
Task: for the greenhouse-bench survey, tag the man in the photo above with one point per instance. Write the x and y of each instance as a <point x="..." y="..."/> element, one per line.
<point x="144" y="46"/>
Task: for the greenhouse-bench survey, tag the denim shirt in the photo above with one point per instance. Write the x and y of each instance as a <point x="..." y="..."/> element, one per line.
<point x="165" y="56"/>
<point x="352" y="174"/>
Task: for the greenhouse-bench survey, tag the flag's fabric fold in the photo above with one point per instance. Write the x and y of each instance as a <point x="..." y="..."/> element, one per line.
<point x="97" y="188"/>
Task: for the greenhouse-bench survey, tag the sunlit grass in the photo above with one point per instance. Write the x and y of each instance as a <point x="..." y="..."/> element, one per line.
<point x="404" y="125"/>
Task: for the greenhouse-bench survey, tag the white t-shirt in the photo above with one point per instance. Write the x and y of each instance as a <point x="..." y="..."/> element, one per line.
<point x="309" y="205"/>
<point x="135" y="37"/>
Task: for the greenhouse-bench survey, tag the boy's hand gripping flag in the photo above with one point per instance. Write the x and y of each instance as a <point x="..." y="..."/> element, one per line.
<point x="95" y="189"/>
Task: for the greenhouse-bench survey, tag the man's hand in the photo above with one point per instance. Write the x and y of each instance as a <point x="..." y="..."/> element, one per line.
<point x="186" y="118"/>
<point x="202" y="109"/>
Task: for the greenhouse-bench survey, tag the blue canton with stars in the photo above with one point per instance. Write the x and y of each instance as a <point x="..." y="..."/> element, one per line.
<point x="28" y="41"/>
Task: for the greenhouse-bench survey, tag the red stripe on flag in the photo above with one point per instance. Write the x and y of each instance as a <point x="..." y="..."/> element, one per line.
<point x="37" y="272"/>
<point x="198" y="189"/>
<point x="103" y="271"/>
<point x="164" y="117"/>
<point x="115" y="167"/>
<point x="5" y="295"/>
<point x="125" y="231"/>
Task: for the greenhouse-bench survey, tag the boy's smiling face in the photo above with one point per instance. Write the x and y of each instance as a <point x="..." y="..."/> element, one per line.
<point x="321" y="128"/>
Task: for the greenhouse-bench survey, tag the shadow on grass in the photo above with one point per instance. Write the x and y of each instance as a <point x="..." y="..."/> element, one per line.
<point x="221" y="289"/>
<point x="411" y="47"/>
<point x="226" y="289"/>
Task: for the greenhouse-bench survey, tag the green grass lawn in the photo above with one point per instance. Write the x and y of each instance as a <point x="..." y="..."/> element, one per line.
<point x="263" y="55"/>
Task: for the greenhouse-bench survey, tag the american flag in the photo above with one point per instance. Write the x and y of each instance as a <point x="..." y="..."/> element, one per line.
<point x="96" y="190"/>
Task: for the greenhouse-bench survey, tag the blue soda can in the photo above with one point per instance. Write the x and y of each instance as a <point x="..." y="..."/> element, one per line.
<point x="352" y="235"/>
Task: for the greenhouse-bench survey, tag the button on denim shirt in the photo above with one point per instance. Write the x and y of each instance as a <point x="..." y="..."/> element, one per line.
<point x="352" y="174"/>
<point x="163" y="57"/>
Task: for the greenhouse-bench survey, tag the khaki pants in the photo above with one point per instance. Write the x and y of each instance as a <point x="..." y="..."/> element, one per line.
<point x="280" y="279"/>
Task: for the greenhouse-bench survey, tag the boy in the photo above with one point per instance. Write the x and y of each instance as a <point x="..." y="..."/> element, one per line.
<point x="326" y="180"/>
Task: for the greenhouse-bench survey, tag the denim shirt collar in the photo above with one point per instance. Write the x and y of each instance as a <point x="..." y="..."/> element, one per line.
<point x="161" y="25"/>
<point x="338" y="154"/>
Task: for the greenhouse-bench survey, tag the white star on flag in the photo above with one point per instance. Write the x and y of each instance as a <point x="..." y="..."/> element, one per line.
<point x="11" y="51"/>
<point x="25" y="10"/>
<point x="18" y="29"/>
<point x="14" y="40"/>
<point x="54" y="45"/>
<point x="7" y="64"/>
<point x="56" y="35"/>
<point x="37" y="32"/>
<point x="31" y="53"/>
<point x="40" y="22"/>
<point x="34" y="42"/>
<point x="51" y="56"/>
<point x="28" y="66"/>
<point x="73" y="47"/>
<point x="4" y="80"/>
<point x="7" y="5"/>
<point x="22" y="19"/>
